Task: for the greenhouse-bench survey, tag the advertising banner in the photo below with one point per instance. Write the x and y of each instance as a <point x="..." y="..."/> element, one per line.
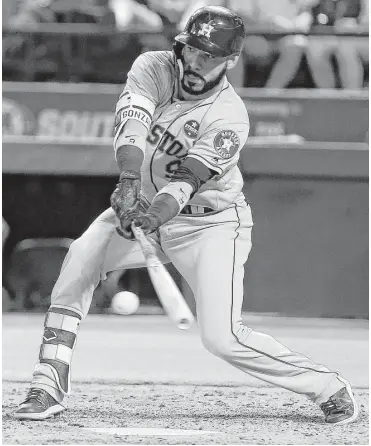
<point x="81" y="112"/>
<point x="67" y="128"/>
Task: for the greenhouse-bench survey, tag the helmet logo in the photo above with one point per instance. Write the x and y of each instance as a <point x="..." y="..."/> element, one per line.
<point x="205" y="30"/>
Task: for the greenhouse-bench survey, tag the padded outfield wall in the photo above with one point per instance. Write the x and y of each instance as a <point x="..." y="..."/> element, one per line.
<point x="306" y="177"/>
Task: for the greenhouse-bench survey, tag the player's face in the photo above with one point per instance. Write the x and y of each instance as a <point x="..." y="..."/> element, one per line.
<point x="202" y="71"/>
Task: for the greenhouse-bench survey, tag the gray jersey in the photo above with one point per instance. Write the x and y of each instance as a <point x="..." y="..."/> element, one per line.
<point x="212" y="130"/>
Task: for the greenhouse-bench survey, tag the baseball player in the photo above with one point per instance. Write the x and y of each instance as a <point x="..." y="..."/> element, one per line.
<point x="179" y="131"/>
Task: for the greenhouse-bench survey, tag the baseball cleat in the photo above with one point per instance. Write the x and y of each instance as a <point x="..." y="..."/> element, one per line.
<point x="38" y="405"/>
<point x="341" y="408"/>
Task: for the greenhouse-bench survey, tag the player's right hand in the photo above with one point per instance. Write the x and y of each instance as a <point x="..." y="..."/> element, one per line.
<point x="125" y="197"/>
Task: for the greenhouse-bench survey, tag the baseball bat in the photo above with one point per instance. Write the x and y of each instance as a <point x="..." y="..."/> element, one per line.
<point x="167" y="291"/>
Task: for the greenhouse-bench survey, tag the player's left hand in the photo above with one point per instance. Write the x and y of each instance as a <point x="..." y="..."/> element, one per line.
<point x="147" y="222"/>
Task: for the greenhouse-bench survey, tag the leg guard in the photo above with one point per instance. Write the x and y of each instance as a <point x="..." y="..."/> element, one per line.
<point x="59" y="339"/>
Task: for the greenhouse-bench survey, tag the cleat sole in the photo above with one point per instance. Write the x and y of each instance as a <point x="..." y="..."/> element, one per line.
<point x="38" y="416"/>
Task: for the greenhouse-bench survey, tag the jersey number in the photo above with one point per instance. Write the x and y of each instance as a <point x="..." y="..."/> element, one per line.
<point x="171" y="167"/>
<point x="169" y="145"/>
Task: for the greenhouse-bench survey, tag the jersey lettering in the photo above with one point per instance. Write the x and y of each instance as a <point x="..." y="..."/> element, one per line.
<point x="168" y="137"/>
<point x="168" y="144"/>
<point x="171" y="167"/>
<point x="175" y="149"/>
<point x="155" y="134"/>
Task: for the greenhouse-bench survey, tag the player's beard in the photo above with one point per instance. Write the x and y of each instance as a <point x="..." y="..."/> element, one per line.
<point x="207" y="85"/>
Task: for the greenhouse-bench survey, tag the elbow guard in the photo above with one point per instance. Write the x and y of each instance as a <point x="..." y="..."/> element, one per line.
<point x="133" y="119"/>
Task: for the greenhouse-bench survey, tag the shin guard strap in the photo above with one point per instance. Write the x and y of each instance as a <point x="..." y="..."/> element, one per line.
<point x="58" y="352"/>
<point x="61" y="321"/>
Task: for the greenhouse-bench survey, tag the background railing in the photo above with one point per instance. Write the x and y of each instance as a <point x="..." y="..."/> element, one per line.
<point x="87" y="53"/>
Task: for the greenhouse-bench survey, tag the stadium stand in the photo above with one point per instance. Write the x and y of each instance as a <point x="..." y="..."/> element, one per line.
<point x="97" y="43"/>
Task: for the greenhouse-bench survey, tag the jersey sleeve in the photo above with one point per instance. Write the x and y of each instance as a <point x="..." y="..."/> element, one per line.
<point x="143" y="78"/>
<point x="220" y="146"/>
<point x="140" y="95"/>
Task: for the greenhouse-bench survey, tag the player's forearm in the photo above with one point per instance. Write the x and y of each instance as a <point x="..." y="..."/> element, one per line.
<point x="185" y="182"/>
<point x="170" y="200"/>
<point x="129" y="157"/>
<point x="129" y="152"/>
<point x="129" y="146"/>
<point x="164" y="208"/>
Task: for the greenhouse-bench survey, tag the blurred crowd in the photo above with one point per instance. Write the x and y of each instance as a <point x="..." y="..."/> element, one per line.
<point x="297" y="43"/>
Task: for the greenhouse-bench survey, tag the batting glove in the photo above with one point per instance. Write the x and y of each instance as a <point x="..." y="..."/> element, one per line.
<point x="125" y="222"/>
<point x="148" y="223"/>
<point x="126" y="194"/>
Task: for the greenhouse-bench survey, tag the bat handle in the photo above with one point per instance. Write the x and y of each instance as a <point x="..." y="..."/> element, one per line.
<point x="147" y="247"/>
<point x="137" y="231"/>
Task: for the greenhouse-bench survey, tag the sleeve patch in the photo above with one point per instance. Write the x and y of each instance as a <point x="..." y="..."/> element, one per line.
<point x="226" y="143"/>
<point x="191" y="129"/>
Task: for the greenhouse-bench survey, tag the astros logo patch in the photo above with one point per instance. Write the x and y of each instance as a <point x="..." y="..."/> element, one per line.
<point x="191" y="128"/>
<point x="226" y="143"/>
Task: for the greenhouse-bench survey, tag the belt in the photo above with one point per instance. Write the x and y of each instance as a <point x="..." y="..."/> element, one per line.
<point x="193" y="209"/>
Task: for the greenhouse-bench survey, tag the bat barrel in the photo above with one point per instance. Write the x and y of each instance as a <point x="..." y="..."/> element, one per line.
<point x="167" y="291"/>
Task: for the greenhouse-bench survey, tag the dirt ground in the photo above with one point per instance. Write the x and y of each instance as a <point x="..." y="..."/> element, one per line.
<point x="141" y="372"/>
<point x="237" y="415"/>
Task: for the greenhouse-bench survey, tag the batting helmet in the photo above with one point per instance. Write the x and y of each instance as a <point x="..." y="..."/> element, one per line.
<point x="215" y="30"/>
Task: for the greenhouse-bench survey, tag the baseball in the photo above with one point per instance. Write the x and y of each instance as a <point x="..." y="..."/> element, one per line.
<point x="125" y="302"/>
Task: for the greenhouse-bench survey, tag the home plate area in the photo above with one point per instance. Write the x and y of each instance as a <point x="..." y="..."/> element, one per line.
<point x="157" y="414"/>
<point x="148" y="432"/>
<point x="140" y="381"/>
